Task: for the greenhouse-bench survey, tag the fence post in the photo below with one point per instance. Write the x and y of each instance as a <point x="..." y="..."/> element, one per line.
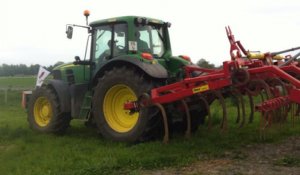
<point x="5" y="96"/>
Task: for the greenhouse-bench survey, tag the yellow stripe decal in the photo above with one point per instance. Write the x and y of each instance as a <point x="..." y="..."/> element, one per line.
<point x="200" y="89"/>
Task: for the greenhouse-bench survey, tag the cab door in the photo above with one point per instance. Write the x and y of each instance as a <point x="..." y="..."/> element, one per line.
<point x="109" y="41"/>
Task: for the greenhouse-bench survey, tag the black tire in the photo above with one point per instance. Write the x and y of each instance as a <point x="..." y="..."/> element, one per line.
<point x="146" y="120"/>
<point x="197" y="118"/>
<point x="197" y="111"/>
<point x="44" y="114"/>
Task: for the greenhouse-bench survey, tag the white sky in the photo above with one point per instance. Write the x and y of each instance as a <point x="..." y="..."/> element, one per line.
<point x="33" y="31"/>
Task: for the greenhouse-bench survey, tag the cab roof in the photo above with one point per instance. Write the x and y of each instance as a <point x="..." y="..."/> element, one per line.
<point x="124" y="19"/>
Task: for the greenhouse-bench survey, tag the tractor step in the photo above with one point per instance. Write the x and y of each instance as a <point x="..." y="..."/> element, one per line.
<point x="86" y="107"/>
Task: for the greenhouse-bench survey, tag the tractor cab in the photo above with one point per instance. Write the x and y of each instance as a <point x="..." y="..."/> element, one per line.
<point x="140" y="37"/>
<point x="129" y="39"/>
<point x="138" y="40"/>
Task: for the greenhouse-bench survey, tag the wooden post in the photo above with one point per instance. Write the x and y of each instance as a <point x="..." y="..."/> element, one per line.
<point x="5" y="96"/>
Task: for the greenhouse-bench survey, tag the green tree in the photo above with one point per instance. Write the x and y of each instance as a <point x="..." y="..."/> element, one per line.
<point x="18" y="69"/>
<point x="50" y="68"/>
<point x="205" y="64"/>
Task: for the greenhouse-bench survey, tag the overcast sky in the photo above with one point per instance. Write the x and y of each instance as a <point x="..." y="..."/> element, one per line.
<point x="33" y="31"/>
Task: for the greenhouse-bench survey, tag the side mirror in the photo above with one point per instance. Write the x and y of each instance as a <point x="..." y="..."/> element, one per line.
<point x="82" y="62"/>
<point x="167" y="24"/>
<point x="69" y="32"/>
<point x="77" y="58"/>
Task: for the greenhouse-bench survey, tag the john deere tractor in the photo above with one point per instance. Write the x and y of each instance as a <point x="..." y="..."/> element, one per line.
<point x="129" y="56"/>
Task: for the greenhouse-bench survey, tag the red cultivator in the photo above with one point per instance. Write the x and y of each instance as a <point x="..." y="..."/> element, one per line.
<point x="269" y="75"/>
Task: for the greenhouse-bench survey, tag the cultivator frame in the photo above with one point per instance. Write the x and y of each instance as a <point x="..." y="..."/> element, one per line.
<point x="270" y="75"/>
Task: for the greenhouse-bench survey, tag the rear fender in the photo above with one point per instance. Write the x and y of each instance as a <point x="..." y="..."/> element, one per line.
<point x="154" y="69"/>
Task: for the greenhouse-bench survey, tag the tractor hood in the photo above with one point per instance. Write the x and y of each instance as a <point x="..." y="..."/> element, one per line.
<point x="64" y="66"/>
<point x="72" y="73"/>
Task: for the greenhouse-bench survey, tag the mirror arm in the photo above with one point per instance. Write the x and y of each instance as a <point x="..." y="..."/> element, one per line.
<point x="75" y="25"/>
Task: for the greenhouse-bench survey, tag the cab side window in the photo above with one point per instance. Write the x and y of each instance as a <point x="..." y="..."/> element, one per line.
<point x="110" y="41"/>
<point x="143" y="41"/>
<point x="101" y="40"/>
<point x="150" y="39"/>
<point x="120" y="38"/>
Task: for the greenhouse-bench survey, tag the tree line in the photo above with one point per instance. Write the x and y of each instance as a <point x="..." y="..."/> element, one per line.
<point x="23" y="69"/>
<point x="205" y="64"/>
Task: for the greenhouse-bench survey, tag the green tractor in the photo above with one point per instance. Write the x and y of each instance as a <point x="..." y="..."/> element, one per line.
<point x="128" y="56"/>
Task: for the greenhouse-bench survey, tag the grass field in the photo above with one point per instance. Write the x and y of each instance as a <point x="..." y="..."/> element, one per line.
<point x="81" y="151"/>
<point x="26" y="82"/>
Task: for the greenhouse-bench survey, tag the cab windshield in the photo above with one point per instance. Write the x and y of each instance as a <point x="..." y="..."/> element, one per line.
<point x="150" y="39"/>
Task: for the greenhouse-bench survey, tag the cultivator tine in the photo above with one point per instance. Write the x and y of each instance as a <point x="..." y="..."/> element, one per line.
<point x="240" y="100"/>
<point x="238" y="111"/>
<point x="263" y="124"/>
<point x="143" y="101"/>
<point x="281" y="114"/>
<point x="222" y="103"/>
<point x="261" y="121"/>
<point x="262" y="96"/>
<point x="243" y="110"/>
<point x="286" y="112"/>
<point x="208" y="111"/>
<point x="266" y="117"/>
<point x="297" y="117"/>
<point x="237" y="106"/>
<point x="260" y="87"/>
<point x="266" y="122"/>
<point x="251" y="115"/>
<point x="265" y="86"/>
<point x="188" y="119"/>
<point x="293" y="113"/>
<point x="165" y="121"/>
<point x="298" y="110"/>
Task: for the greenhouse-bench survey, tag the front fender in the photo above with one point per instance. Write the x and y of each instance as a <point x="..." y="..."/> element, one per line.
<point x="62" y="90"/>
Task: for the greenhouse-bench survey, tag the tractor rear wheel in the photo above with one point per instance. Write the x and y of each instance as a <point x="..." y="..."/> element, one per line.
<point x="44" y="114"/>
<point x="116" y="87"/>
<point x="197" y="112"/>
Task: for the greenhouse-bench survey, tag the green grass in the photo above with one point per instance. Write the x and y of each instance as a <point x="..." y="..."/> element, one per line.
<point x="26" y="82"/>
<point x="288" y="161"/>
<point x="81" y="151"/>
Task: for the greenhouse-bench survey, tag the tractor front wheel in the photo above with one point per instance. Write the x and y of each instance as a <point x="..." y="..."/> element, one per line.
<point x="44" y="114"/>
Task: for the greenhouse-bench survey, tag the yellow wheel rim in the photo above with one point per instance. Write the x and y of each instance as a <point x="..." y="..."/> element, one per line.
<point x="115" y="115"/>
<point x="42" y="111"/>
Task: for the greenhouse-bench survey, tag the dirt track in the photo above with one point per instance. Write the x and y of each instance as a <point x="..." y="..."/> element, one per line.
<point x="281" y="158"/>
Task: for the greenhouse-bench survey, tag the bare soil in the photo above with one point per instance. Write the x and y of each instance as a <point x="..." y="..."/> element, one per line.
<point x="281" y="158"/>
